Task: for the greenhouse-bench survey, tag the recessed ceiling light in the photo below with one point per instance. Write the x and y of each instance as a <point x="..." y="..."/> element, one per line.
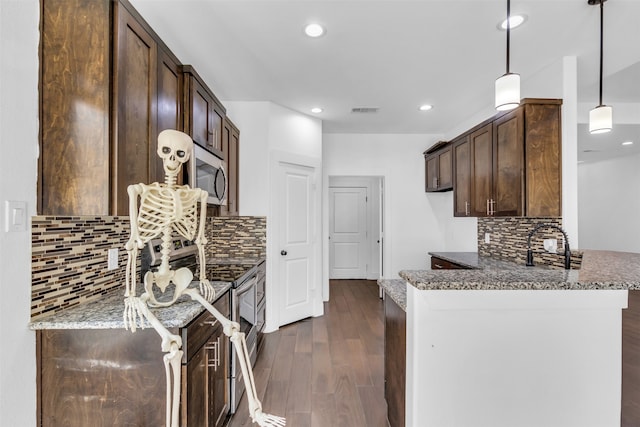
<point x="627" y="143"/>
<point x="316" y="110"/>
<point x="425" y="107"/>
<point x="516" y="21"/>
<point x="314" y="30"/>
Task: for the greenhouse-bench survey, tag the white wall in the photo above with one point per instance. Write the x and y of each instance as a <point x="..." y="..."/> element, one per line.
<point x="269" y="133"/>
<point x="415" y="222"/>
<point x="18" y="168"/>
<point x="609" y="202"/>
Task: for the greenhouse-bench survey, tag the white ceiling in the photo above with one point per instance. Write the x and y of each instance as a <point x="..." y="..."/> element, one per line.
<point x="395" y="54"/>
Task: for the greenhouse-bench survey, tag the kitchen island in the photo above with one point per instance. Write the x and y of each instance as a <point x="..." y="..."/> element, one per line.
<point x="507" y="345"/>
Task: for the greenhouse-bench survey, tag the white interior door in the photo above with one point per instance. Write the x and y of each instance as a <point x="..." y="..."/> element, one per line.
<point x="296" y="241"/>
<point x="348" y="240"/>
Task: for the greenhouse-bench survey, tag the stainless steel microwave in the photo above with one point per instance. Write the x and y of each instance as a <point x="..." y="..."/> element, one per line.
<point x="207" y="171"/>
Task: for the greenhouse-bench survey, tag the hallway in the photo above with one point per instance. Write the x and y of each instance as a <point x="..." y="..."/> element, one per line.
<point x="326" y="371"/>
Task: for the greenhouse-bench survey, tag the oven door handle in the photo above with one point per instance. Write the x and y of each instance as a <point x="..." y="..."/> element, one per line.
<point x="246" y="286"/>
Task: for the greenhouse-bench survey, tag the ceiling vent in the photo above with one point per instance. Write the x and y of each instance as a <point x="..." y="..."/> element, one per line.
<point x="365" y="110"/>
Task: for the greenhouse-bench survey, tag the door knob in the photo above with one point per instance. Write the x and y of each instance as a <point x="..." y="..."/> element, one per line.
<point x="283" y="253"/>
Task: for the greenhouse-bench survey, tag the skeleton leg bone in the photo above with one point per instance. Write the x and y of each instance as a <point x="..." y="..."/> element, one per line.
<point x="171" y="344"/>
<point x="232" y="330"/>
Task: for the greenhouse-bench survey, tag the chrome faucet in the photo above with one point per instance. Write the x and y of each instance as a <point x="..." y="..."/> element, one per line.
<point x="567" y="251"/>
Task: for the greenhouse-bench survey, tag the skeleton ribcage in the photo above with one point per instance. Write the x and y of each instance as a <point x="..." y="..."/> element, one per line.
<point x="163" y="208"/>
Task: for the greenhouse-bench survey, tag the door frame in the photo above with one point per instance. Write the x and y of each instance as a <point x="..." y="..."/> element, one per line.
<point x="273" y="290"/>
<point x="375" y="216"/>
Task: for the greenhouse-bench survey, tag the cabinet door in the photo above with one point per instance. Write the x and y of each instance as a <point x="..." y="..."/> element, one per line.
<point x="445" y="175"/>
<point x="169" y="111"/>
<point x="508" y="164"/>
<point x="135" y="73"/>
<point x="218" y="385"/>
<point x="481" y="170"/>
<point x="233" y="162"/>
<point x="431" y="173"/>
<point x="75" y="90"/>
<point x="202" y="130"/>
<point x="194" y="397"/>
<point x="462" y="177"/>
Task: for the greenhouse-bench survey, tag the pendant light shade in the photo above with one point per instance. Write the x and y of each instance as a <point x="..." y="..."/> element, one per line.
<point x="508" y="92"/>
<point x="601" y="117"/>
<point x="508" y="86"/>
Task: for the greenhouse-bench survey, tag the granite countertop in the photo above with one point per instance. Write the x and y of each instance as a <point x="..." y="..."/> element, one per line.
<point x="107" y="312"/>
<point x="396" y="289"/>
<point x="600" y="270"/>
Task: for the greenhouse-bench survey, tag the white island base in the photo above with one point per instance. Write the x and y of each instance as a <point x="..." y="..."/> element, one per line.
<point x="514" y="358"/>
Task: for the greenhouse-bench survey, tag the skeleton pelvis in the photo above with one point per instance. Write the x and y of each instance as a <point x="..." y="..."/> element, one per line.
<point x="181" y="278"/>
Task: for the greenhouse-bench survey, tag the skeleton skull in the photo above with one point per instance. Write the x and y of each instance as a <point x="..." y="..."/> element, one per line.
<point x="174" y="148"/>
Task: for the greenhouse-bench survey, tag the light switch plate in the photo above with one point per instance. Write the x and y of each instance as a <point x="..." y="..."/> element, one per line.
<point x="487" y="237"/>
<point x="15" y="216"/>
<point x="112" y="259"/>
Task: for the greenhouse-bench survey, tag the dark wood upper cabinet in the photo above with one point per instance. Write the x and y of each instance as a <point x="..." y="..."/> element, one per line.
<point x="230" y="149"/>
<point x="462" y="176"/>
<point x="509" y="165"/>
<point x="203" y="113"/>
<point x="481" y="170"/>
<point x="109" y="85"/>
<point x="438" y="168"/>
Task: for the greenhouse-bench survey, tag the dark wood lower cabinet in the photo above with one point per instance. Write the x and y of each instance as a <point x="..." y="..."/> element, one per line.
<point x="395" y="353"/>
<point x="631" y="362"/>
<point x="442" y="264"/>
<point x="112" y="377"/>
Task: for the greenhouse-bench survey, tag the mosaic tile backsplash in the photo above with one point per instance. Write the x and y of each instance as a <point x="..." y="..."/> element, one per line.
<point x="236" y="237"/>
<point x="508" y="241"/>
<point x="69" y="260"/>
<point x="69" y="255"/>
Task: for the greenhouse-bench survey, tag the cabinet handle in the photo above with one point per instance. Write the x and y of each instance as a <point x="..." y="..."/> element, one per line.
<point x="215" y="362"/>
<point x="435" y="182"/>
<point x="492" y="204"/>
<point x="211" y="322"/>
<point x="488" y="211"/>
<point x="466" y="208"/>
<point x="438" y="266"/>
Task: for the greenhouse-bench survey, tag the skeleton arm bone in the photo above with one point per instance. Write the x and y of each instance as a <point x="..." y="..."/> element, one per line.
<point x="135" y="242"/>
<point x="232" y="330"/>
<point x="205" y="287"/>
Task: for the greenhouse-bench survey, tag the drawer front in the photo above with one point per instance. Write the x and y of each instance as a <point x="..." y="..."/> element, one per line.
<point x="199" y="330"/>
<point x="441" y="264"/>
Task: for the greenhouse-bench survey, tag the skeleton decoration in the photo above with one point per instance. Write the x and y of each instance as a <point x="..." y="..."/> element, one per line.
<point x="164" y="209"/>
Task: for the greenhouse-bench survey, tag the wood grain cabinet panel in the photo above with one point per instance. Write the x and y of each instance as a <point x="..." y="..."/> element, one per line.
<point x="508" y="165"/>
<point x="109" y="85"/>
<point x="231" y="149"/>
<point x="395" y="365"/>
<point x="462" y="176"/>
<point x="481" y="170"/>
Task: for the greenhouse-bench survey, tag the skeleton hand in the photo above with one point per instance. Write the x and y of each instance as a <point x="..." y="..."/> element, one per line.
<point x="268" y="420"/>
<point x="207" y="291"/>
<point x="132" y="313"/>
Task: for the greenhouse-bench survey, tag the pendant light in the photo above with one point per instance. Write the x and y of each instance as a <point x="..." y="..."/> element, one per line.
<point x="508" y="86"/>
<point x="601" y="117"/>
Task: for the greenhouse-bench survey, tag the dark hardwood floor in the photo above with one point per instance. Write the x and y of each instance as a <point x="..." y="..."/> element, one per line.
<point x="326" y="371"/>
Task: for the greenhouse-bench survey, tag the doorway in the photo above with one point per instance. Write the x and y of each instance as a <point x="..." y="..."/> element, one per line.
<point x="356" y="235"/>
